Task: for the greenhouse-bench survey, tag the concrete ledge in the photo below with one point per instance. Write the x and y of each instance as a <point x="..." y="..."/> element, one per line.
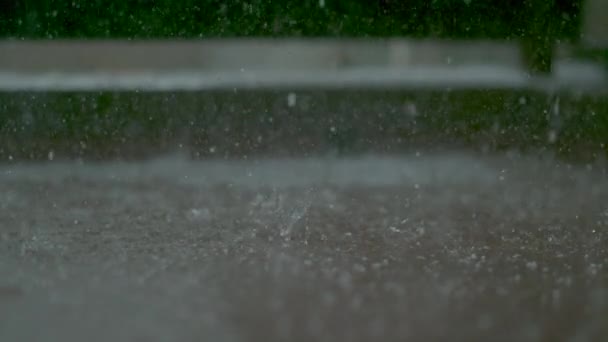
<point x="247" y="54"/>
<point x="278" y="64"/>
<point x="568" y="76"/>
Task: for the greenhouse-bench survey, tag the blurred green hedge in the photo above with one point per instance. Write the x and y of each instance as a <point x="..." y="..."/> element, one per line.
<point x="99" y="125"/>
<point x="140" y="19"/>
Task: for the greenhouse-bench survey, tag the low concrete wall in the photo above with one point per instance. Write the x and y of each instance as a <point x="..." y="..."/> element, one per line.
<point x="248" y="54"/>
<point x="279" y="64"/>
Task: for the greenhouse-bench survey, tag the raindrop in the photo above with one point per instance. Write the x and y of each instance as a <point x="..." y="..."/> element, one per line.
<point x="359" y="268"/>
<point x="502" y="175"/>
<point x="531" y="265"/>
<point x="556" y="106"/>
<point x="552" y="136"/>
<point x="411" y="109"/>
<point x="291" y="99"/>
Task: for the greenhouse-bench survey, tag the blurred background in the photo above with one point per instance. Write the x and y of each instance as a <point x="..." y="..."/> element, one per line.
<point x="128" y="79"/>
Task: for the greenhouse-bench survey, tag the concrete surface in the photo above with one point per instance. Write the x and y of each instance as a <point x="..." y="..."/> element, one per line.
<point x="279" y="64"/>
<point x="577" y="77"/>
<point x="450" y="246"/>
<point x="249" y="54"/>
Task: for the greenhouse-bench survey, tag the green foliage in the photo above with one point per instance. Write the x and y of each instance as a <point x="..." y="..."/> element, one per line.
<point x="127" y="124"/>
<point x="139" y="19"/>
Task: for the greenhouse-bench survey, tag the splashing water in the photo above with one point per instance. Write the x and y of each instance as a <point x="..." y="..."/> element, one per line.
<point x="294" y="213"/>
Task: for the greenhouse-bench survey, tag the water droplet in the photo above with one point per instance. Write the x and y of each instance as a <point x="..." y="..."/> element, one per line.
<point x="291" y="99"/>
<point x="522" y="100"/>
<point x="552" y="137"/>
<point x="532" y="265"/>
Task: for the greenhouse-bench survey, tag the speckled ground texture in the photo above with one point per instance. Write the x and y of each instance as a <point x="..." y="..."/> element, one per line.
<point x="446" y="246"/>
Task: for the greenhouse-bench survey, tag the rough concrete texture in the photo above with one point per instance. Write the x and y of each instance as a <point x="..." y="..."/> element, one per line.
<point x="451" y="246"/>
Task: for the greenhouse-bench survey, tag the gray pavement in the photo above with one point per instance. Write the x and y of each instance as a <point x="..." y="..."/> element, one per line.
<point x="451" y="246"/>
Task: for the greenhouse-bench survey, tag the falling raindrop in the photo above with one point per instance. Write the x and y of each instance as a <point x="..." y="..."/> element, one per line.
<point x="291" y="99"/>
